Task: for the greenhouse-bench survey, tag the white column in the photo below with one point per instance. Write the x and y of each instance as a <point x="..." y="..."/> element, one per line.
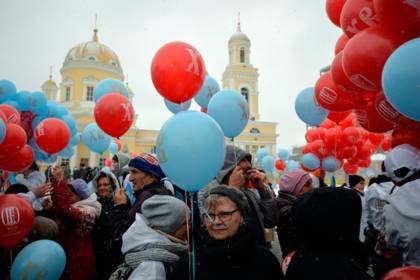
<point x="92" y="159"/>
<point x="73" y="159"/>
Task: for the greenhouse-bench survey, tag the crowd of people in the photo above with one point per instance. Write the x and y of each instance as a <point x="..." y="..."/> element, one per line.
<point x="131" y="222"/>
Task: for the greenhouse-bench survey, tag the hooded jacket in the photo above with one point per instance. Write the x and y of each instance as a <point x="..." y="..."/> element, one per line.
<point x="260" y="214"/>
<point x="402" y="222"/>
<point x="121" y="168"/>
<point x="376" y="197"/>
<point x="149" y="252"/>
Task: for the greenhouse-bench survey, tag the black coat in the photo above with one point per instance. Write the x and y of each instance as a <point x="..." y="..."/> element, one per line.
<point x="238" y="257"/>
<point x="107" y="252"/>
<point x="286" y="230"/>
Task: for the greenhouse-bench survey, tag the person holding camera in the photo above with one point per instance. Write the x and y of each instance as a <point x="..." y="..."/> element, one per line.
<point x="238" y="172"/>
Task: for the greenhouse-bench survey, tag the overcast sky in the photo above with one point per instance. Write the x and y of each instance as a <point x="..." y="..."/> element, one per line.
<point x="290" y="41"/>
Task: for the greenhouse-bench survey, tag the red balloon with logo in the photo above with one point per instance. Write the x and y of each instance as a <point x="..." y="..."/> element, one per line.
<point x="178" y="71"/>
<point x="385" y="109"/>
<point x="11" y="114"/>
<point x="22" y="159"/>
<point x="16" y="219"/>
<point x="340" y="78"/>
<point x="114" y="114"/>
<point x="356" y="16"/>
<point x="52" y="135"/>
<point x="334" y="8"/>
<point x="14" y="140"/>
<point x="370" y="119"/>
<point x="341" y="43"/>
<point x="330" y="97"/>
<point x="399" y="15"/>
<point x="365" y="55"/>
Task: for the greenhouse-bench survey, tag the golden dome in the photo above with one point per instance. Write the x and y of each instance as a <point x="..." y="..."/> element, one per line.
<point x="93" y="51"/>
<point x="49" y="82"/>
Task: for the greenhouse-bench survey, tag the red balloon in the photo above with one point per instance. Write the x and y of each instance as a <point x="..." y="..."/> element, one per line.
<point x="334" y="8"/>
<point x="341" y="43"/>
<point x="12" y="115"/>
<point x="114" y="114"/>
<point x="314" y="134"/>
<point x="22" y="159"/>
<point x="406" y="135"/>
<point x="203" y="110"/>
<point x="370" y="119"/>
<point x="365" y="55"/>
<point x="332" y="137"/>
<point x="118" y="144"/>
<point x="403" y="273"/>
<point x="386" y="143"/>
<point x="340" y="79"/>
<point x="108" y="162"/>
<point x="385" y="109"/>
<point x="399" y="15"/>
<point x="376" y="138"/>
<point x="280" y="165"/>
<point x="365" y="163"/>
<point x="352" y="135"/>
<point x="349" y="169"/>
<point x="307" y="148"/>
<point x="14" y="140"/>
<point x="337" y="117"/>
<point x="319" y="148"/>
<point x="356" y="16"/>
<point x="349" y="121"/>
<point x="327" y="124"/>
<point x="347" y="152"/>
<point x="17" y="218"/>
<point x="178" y="71"/>
<point x="330" y="97"/>
<point x="52" y="135"/>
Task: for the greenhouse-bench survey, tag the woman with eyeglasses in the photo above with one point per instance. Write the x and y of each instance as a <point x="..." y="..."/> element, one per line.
<point x="229" y="249"/>
<point x="107" y="253"/>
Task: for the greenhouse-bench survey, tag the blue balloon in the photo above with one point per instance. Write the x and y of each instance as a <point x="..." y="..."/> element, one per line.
<point x="401" y="81"/>
<point x="307" y="110"/>
<point x="42" y="259"/>
<point x="71" y="123"/>
<point x="66" y="153"/>
<point x="230" y="110"/>
<point x="24" y="99"/>
<point x="2" y="130"/>
<point x="75" y="139"/>
<point x="39" y="103"/>
<point x="310" y="161"/>
<point x="195" y="140"/>
<point x="283" y="154"/>
<point x="209" y="88"/>
<point x="61" y="111"/>
<point x="113" y="148"/>
<point x="330" y="164"/>
<point x="176" y="108"/>
<point x="12" y="103"/>
<point x="109" y="86"/>
<point x="261" y="153"/>
<point x="291" y="165"/>
<point x="95" y="139"/>
<point x="268" y="163"/>
<point x="7" y="90"/>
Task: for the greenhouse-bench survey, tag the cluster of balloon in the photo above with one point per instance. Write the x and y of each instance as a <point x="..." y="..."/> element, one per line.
<point x="340" y="142"/>
<point x="282" y="162"/>
<point x="32" y="128"/>
<point x="42" y="259"/>
<point x="384" y="34"/>
<point x="17" y="218"/>
<point x="113" y="112"/>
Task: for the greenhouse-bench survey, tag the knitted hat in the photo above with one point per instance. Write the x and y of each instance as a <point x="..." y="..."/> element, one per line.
<point x="235" y="195"/>
<point x="81" y="188"/>
<point x="402" y="162"/>
<point x="293" y="181"/>
<point x="354" y="180"/>
<point x="165" y="212"/>
<point x="148" y="163"/>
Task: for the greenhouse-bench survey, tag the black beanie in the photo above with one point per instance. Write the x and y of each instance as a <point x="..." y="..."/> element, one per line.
<point x="235" y="195"/>
<point x="354" y="180"/>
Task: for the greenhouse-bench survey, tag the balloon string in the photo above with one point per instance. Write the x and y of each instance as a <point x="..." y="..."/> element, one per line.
<point x="192" y="238"/>
<point x="187" y="218"/>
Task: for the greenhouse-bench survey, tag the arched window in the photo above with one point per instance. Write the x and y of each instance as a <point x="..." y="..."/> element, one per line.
<point x="245" y="93"/>
<point x="242" y="55"/>
<point x="255" y="130"/>
<point x="91" y="58"/>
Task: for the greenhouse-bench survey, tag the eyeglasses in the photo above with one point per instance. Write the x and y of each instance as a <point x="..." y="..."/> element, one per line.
<point x="223" y="216"/>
